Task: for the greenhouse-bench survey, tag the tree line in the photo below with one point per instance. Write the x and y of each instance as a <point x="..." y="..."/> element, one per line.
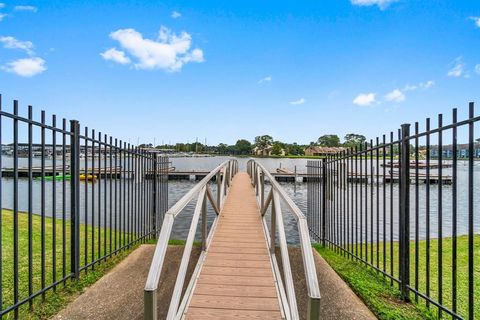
<point x="245" y="147"/>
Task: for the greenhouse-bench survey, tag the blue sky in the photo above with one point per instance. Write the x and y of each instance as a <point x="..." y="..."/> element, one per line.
<point x="222" y="70"/>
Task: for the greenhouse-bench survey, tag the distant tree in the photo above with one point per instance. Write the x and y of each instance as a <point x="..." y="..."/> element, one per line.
<point x="263" y="141"/>
<point x="353" y="139"/>
<point x="294" y="149"/>
<point x="222" y="148"/>
<point x="145" y="145"/>
<point x="197" y="147"/>
<point x="478" y="140"/>
<point x="277" y="148"/>
<point x="329" y="140"/>
<point x="243" y="146"/>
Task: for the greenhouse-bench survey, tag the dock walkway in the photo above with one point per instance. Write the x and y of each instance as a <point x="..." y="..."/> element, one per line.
<point x="237" y="280"/>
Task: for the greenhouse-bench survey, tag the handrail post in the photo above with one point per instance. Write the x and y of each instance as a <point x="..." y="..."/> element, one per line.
<point x="204" y="221"/>
<point x="404" y="260"/>
<point x="219" y="190"/>
<point x="273" y="226"/>
<point x="75" y="198"/>
<point x="324" y="198"/>
<point x="262" y="190"/>
<point x="313" y="309"/>
<point x="150" y="305"/>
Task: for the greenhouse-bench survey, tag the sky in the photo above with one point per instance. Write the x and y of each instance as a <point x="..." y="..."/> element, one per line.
<point x="175" y="71"/>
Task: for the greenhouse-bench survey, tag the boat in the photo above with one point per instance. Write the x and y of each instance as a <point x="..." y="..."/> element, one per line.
<point x="58" y="178"/>
<point x="90" y="177"/>
<point x="284" y="171"/>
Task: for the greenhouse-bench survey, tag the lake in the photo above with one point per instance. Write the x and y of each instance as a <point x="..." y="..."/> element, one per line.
<point x="298" y="192"/>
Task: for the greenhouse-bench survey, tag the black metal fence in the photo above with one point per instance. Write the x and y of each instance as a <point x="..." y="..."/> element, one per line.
<point x="70" y="199"/>
<point x="408" y="207"/>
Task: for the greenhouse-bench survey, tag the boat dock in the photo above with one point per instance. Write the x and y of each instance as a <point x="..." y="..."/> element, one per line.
<point x="23" y="172"/>
<point x="193" y="175"/>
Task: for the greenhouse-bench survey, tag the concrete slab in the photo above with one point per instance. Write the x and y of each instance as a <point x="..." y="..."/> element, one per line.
<point x="119" y="294"/>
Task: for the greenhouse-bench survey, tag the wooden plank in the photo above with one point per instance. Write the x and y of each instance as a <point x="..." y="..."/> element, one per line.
<point x="234" y="303"/>
<point x="239" y="231"/>
<point x="219" y="249"/>
<point x="232" y="271"/>
<point x="238" y="244"/>
<point x="239" y="256"/>
<point x="236" y="238"/>
<point x="222" y="314"/>
<point x="235" y="291"/>
<point x="237" y="263"/>
<point x="236" y="280"/>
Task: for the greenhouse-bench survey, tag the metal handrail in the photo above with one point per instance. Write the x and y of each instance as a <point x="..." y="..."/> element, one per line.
<point x="203" y="192"/>
<point x="259" y="175"/>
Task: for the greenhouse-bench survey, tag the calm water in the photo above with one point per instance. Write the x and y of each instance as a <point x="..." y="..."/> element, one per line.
<point x="298" y="192"/>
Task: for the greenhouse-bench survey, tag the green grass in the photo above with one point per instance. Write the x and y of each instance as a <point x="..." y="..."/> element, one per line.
<point x="446" y="275"/>
<point x="177" y="242"/>
<point x="54" y="301"/>
<point x="381" y="298"/>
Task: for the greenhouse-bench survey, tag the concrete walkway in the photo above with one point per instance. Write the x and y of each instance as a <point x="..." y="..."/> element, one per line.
<point x="119" y="294"/>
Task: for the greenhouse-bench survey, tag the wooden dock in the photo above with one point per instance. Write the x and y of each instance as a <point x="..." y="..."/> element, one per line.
<point x="236" y="280"/>
<point x="23" y="172"/>
<point x="420" y="165"/>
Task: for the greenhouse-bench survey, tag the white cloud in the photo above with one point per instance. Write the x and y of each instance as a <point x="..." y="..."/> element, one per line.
<point x="428" y="84"/>
<point x="422" y="85"/>
<point x="364" y="99"/>
<point x="410" y="87"/>
<point x="27" y="67"/>
<point x="12" y="43"/>
<point x="458" y="68"/>
<point x="395" y="96"/>
<point x="382" y="4"/>
<point x="25" y="8"/>
<point x="2" y="15"/>
<point x="116" y="56"/>
<point x="477" y="68"/>
<point x="169" y="52"/>
<point x="176" y="14"/>
<point x="2" y="5"/>
<point x="266" y="79"/>
<point x="298" y="102"/>
<point x="476" y="20"/>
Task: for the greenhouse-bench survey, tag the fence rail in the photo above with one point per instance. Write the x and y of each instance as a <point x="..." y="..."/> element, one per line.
<point x="91" y="197"/>
<point x="407" y="207"/>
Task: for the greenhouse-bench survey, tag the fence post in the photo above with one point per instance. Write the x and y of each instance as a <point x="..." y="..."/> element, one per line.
<point x="324" y="198"/>
<point x="74" y="197"/>
<point x="404" y="267"/>
<point x="154" y="195"/>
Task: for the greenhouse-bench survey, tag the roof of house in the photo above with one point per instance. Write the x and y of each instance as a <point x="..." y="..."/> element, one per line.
<point x="319" y="149"/>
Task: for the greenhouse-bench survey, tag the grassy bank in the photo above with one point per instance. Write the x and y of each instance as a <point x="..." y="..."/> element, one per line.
<point x="54" y="267"/>
<point x="381" y="298"/>
<point x="348" y="269"/>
